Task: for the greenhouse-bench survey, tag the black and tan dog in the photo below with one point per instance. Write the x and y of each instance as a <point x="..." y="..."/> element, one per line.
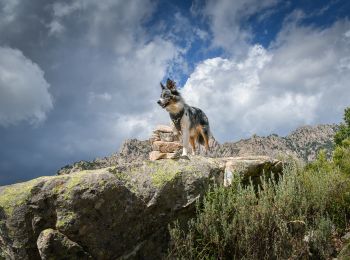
<point x="190" y="122"/>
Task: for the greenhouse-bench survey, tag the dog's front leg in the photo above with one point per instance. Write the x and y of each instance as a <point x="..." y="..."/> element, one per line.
<point x="185" y="142"/>
<point x="175" y="133"/>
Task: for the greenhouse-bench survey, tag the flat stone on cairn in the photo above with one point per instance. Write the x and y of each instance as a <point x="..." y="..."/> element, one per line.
<point x="165" y="144"/>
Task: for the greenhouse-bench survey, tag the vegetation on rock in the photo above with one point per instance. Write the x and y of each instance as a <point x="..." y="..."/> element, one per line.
<point x="341" y="156"/>
<point x="240" y="223"/>
<point x="302" y="216"/>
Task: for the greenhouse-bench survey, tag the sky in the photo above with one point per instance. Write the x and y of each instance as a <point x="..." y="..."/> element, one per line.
<point x="79" y="77"/>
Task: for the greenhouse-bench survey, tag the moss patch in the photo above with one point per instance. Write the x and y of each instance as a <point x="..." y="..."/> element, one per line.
<point x="125" y="177"/>
<point x="164" y="172"/>
<point x="65" y="219"/>
<point x="162" y="176"/>
<point x="122" y="176"/>
<point x="74" y="180"/>
<point x="17" y="194"/>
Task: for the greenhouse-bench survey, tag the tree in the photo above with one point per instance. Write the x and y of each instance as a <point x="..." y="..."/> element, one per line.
<point x="344" y="129"/>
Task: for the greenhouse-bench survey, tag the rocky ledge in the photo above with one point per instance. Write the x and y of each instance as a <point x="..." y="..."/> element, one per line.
<point x="112" y="214"/>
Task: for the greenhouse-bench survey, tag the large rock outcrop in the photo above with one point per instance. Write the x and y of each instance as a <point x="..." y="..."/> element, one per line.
<point x="109" y="213"/>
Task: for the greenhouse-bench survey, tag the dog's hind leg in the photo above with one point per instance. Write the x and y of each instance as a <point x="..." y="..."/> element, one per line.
<point x="205" y="136"/>
<point x="192" y="142"/>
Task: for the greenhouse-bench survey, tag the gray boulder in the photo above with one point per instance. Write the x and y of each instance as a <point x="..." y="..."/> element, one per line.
<point x="52" y="244"/>
<point x="104" y="213"/>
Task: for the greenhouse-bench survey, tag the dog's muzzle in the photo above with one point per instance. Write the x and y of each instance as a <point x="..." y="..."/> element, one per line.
<point x="163" y="104"/>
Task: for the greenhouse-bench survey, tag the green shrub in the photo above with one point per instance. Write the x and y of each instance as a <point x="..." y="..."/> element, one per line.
<point x="294" y="218"/>
<point x="341" y="156"/>
<point x="291" y="219"/>
<point x="321" y="163"/>
<point x="344" y="128"/>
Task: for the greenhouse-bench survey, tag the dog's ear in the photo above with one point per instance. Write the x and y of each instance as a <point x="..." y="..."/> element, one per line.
<point x="162" y="86"/>
<point x="171" y="85"/>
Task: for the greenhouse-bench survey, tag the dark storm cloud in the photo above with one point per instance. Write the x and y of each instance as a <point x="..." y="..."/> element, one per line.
<point x="103" y="68"/>
<point x="85" y="74"/>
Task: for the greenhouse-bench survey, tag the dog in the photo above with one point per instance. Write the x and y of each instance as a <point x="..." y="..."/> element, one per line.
<point x="189" y="122"/>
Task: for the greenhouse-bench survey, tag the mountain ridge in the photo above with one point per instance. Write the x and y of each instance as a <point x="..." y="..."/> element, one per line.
<point x="303" y="143"/>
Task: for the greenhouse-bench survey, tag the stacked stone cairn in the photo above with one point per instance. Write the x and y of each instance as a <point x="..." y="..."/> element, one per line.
<point x="165" y="145"/>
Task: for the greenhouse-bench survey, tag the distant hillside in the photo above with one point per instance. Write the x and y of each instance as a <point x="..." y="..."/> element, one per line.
<point x="303" y="143"/>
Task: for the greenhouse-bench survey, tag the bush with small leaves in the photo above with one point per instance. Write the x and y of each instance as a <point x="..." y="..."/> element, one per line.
<point x="293" y="218"/>
<point x="341" y="156"/>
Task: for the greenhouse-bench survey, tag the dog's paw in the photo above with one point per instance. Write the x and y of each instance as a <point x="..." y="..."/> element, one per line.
<point x="185" y="157"/>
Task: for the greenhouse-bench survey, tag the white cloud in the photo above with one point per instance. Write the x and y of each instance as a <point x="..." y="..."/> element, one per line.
<point x="116" y="22"/>
<point x="347" y="34"/>
<point x="55" y="28"/>
<point x="203" y="35"/>
<point x="301" y="79"/>
<point x="123" y="65"/>
<point x="24" y="92"/>
<point x="99" y="97"/>
<point x="126" y="106"/>
<point x="8" y="11"/>
<point x="226" y="19"/>
<point x="137" y="126"/>
<point x="63" y="9"/>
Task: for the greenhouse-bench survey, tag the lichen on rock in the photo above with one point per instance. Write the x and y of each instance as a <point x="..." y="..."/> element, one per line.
<point x="15" y="195"/>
